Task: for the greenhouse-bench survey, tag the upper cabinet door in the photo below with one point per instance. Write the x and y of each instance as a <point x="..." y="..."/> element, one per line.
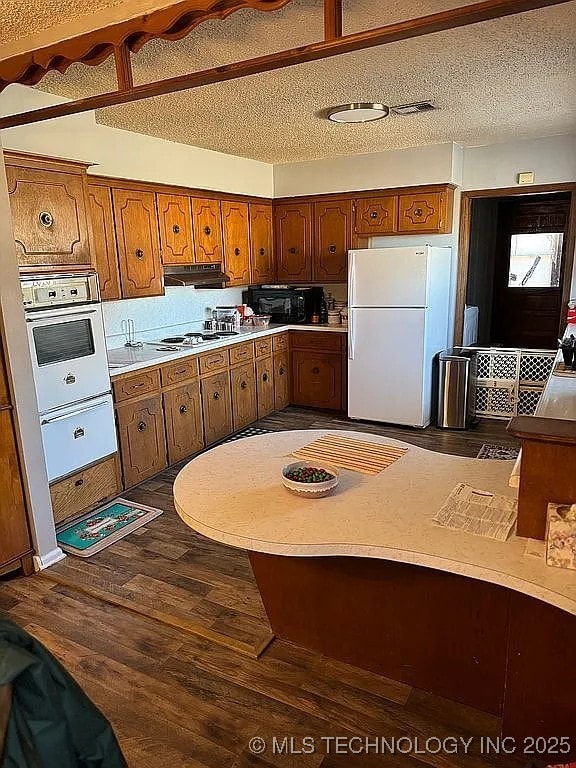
<point x="262" y="267"/>
<point x="138" y="243"/>
<point x="425" y="212"/>
<point x="376" y="215"/>
<point x="236" y="230"/>
<point x="104" y="240"/>
<point x="332" y="239"/>
<point x="49" y="218"/>
<point x="174" y="214"/>
<point x="207" y="230"/>
<point x="293" y="242"/>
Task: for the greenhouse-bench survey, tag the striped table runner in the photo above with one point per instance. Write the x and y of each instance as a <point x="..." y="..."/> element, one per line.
<point x="350" y="453"/>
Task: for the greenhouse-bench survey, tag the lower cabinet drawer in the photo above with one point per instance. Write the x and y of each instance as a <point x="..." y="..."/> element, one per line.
<point x="323" y="341"/>
<point x="84" y="490"/>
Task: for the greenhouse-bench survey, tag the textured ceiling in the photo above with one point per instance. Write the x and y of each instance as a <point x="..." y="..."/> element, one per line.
<point x="504" y="79"/>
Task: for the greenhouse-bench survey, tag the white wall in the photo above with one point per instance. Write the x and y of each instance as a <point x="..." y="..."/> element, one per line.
<point x="123" y="154"/>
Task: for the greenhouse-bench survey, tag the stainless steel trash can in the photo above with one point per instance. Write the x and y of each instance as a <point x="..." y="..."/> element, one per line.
<point x="455" y="390"/>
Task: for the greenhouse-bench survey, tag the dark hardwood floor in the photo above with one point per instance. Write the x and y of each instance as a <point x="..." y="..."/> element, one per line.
<point x="161" y="628"/>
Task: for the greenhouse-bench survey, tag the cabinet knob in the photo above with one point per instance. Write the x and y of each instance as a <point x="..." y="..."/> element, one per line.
<point x="79" y="482"/>
<point x="316" y="370"/>
<point x="282" y="371"/>
<point x="207" y="231"/>
<point x="216" y="395"/>
<point x="237" y="251"/>
<point x="142" y="426"/>
<point x="139" y="253"/>
<point x="243" y="385"/>
<point x="418" y="211"/>
<point x="176" y="229"/>
<point x="292" y="250"/>
<point x="183" y="409"/>
<point x="264" y="377"/>
<point x="46" y="219"/>
<point x="373" y="214"/>
<point x="332" y="248"/>
<point x="262" y="251"/>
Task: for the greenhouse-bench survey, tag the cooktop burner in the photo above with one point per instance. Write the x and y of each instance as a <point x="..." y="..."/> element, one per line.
<point x="227" y="333"/>
<point x="173" y="340"/>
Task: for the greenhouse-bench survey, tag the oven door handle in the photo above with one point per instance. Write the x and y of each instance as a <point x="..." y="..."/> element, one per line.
<point x="59" y="317"/>
<point x="73" y="414"/>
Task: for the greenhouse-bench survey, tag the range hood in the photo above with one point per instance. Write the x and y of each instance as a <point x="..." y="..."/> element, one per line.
<point x="197" y="275"/>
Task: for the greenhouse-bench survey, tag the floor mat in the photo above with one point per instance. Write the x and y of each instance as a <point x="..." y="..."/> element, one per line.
<point x="248" y="432"/>
<point x="499" y="452"/>
<point x="97" y="530"/>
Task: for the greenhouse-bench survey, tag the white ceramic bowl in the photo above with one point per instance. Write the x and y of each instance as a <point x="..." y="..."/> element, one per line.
<point x="310" y="490"/>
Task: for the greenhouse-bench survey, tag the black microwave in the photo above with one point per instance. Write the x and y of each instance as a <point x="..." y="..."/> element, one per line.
<point x="285" y="305"/>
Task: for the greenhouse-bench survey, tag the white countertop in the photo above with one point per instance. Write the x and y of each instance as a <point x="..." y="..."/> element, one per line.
<point x="233" y="494"/>
<point x="127" y="359"/>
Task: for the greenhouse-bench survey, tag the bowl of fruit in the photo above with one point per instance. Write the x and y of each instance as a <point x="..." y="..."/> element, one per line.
<point x="310" y="480"/>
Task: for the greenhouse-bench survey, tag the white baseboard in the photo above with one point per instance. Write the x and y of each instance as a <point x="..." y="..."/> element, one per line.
<point x="50" y="558"/>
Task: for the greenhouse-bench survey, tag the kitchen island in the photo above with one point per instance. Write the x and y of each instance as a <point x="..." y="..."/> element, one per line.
<point x="365" y="576"/>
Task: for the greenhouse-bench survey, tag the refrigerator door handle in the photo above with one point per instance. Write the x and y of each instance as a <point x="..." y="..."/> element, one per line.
<point x="351" y="334"/>
<point x="351" y="278"/>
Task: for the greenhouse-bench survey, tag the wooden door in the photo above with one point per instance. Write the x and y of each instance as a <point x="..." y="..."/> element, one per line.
<point x="265" y="386"/>
<point x="376" y="215"/>
<point x="421" y="212"/>
<point x="175" y="218"/>
<point x="142" y="439"/>
<point x="216" y="407"/>
<point x="317" y="379"/>
<point x="244" y="406"/>
<point x="207" y="230"/>
<point x="183" y="418"/>
<point x="262" y="267"/>
<point x="49" y="218"/>
<point x="138" y="243"/>
<point x="293" y="242"/>
<point x="281" y="380"/>
<point x="332" y="240"/>
<point x="104" y="240"/>
<point x="14" y="534"/>
<point x="236" y="236"/>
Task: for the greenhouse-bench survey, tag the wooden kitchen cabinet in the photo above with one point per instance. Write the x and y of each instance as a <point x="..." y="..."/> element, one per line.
<point x="104" y="239"/>
<point x="427" y="212"/>
<point x="262" y="265"/>
<point x="85" y="490"/>
<point x="138" y="243"/>
<point x="175" y="220"/>
<point x="142" y="439"/>
<point x="236" y="238"/>
<point x="207" y="226"/>
<point x="332" y="240"/>
<point x="48" y="199"/>
<point x="265" y="386"/>
<point x="376" y="215"/>
<point x="244" y="404"/>
<point x="317" y="379"/>
<point x="293" y="242"/>
<point x="281" y="363"/>
<point x="216" y="407"/>
<point x="183" y="419"/>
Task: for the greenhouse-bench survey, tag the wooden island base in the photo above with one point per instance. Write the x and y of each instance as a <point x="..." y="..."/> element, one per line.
<point x="483" y="645"/>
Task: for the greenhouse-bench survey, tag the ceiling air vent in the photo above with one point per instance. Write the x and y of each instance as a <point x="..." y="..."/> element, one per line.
<point x="412" y="109"/>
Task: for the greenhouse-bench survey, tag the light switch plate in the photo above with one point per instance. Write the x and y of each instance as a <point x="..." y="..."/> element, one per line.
<point x="526" y="177"/>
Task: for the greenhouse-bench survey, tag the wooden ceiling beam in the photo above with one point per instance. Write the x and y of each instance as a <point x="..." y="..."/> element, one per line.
<point x="123" y="68"/>
<point x="405" y="30"/>
<point x="332" y="19"/>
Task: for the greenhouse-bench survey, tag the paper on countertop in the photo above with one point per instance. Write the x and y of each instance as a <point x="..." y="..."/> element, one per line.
<point x="479" y="512"/>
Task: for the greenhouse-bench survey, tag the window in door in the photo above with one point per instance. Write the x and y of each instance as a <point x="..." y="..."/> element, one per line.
<point x="535" y="260"/>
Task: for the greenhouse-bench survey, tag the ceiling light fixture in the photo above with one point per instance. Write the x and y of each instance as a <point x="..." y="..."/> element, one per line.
<point x="361" y="112"/>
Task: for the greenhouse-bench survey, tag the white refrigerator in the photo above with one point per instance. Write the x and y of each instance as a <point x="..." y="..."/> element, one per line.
<point x="398" y="320"/>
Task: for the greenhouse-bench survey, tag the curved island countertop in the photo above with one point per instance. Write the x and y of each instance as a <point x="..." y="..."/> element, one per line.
<point x="233" y="494"/>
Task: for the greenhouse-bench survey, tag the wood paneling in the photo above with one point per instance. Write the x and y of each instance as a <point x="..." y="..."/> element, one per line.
<point x="104" y="241"/>
<point x="136" y="384"/>
<point x="293" y="241"/>
<point x="182" y="370"/>
<point x="332" y="240"/>
<point x="14" y="534"/>
<point x="262" y="262"/>
<point x="236" y="237"/>
<point x="426" y="212"/>
<point x="316" y="379"/>
<point x="4" y="390"/>
<point x="175" y="218"/>
<point x="241" y="353"/>
<point x="142" y="439"/>
<point x="281" y="362"/>
<point x="243" y="386"/>
<point x="265" y="386"/>
<point x="212" y="362"/>
<point x="49" y="217"/>
<point x="216" y="407"/>
<point x="85" y="490"/>
<point x="184" y="424"/>
<point x="376" y="215"/>
<point x="207" y="230"/>
<point x="138" y="243"/>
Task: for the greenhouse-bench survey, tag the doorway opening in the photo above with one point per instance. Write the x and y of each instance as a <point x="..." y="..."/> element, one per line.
<point x="517" y="253"/>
